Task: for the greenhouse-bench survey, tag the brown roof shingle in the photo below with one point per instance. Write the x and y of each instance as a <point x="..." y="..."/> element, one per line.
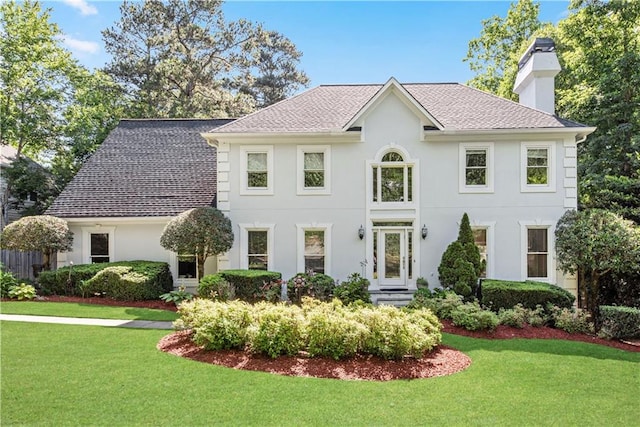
<point x="144" y="168"/>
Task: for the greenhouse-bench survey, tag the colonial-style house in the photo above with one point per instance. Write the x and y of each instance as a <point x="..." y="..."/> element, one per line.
<point x="370" y="178"/>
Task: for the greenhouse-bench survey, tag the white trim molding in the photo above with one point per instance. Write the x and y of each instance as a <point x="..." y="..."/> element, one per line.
<point x="462" y="167"/>
<point x="550" y="186"/>
<point x="301" y="228"/>
<point x="245" y="150"/>
<point x="244" y="243"/>
<point x="524" y="240"/>
<point x="326" y="154"/>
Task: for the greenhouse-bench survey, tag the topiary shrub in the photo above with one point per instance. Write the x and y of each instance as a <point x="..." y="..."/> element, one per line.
<point x="473" y="318"/>
<point x="619" y="322"/>
<point x="121" y="283"/>
<point x="355" y="288"/>
<point x="216" y="287"/>
<point x="317" y="285"/>
<point x="497" y="294"/>
<point x="254" y="285"/>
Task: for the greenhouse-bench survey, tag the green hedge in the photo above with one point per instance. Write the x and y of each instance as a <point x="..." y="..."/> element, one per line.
<point x="497" y="294"/>
<point x="619" y="321"/>
<point x="254" y="285"/>
<point x="68" y="280"/>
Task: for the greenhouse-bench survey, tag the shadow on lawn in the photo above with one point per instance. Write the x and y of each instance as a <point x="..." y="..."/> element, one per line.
<point x="546" y="346"/>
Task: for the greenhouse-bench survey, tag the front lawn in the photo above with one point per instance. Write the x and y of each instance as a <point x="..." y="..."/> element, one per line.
<point x="70" y="309"/>
<point x="85" y="375"/>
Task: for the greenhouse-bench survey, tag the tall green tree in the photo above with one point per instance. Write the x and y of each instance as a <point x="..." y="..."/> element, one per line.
<point x="184" y="59"/>
<point x="494" y="55"/>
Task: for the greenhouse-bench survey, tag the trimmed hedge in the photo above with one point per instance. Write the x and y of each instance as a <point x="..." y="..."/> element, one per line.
<point x="497" y="294"/>
<point x="68" y="280"/>
<point x="619" y="321"/>
<point x="319" y="286"/>
<point x="254" y="285"/>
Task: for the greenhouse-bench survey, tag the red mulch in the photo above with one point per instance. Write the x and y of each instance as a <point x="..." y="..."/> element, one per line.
<point x="442" y="361"/>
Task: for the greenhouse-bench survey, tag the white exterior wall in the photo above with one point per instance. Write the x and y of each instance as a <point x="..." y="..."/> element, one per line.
<point x="130" y="239"/>
<point x="438" y="203"/>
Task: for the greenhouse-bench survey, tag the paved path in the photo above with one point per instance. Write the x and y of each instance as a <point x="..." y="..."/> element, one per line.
<point x="140" y="324"/>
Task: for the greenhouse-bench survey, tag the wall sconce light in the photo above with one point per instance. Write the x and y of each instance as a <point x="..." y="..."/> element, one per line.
<point x="425" y="231"/>
<point x="361" y="232"/>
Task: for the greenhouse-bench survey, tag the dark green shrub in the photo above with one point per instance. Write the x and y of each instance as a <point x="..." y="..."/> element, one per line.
<point x="619" y="322"/>
<point x="67" y="280"/>
<point x="355" y="288"/>
<point x="123" y="284"/>
<point x="7" y="281"/>
<point x="497" y="294"/>
<point x="319" y="286"/>
<point x="216" y="287"/>
<point x="473" y="318"/>
<point x="254" y="285"/>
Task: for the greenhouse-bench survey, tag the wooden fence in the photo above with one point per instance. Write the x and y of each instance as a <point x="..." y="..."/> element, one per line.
<point x="21" y="264"/>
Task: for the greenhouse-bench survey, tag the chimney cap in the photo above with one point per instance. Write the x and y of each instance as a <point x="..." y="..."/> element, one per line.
<point x="540" y="44"/>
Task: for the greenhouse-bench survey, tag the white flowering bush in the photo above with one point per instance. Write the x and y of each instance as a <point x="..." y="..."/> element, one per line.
<point x="43" y="233"/>
<point x="203" y="232"/>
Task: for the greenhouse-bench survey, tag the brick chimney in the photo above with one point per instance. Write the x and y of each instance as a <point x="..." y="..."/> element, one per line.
<point x="536" y="72"/>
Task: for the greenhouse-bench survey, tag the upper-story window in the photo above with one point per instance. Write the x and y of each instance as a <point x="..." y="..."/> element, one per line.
<point x="476" y="167"/>
<point x="256" y="170"/>
<point x="314" y="169"/>
<point x="537" y="165"/>
<point x="393" y="179"/>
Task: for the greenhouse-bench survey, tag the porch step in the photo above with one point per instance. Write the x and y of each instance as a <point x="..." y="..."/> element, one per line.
<point x="395" y="298"/>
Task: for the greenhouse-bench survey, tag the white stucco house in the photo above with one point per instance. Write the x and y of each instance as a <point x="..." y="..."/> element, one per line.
<point x="370" y="178"/>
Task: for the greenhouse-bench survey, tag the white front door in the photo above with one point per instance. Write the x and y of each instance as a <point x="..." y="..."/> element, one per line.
<point x="393" y="259"/>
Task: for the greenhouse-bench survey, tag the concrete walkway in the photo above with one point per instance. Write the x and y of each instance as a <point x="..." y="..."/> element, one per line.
<point x="139" y="324"/>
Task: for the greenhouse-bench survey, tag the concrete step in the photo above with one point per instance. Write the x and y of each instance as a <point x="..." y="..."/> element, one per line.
<point x="395" y="298"/>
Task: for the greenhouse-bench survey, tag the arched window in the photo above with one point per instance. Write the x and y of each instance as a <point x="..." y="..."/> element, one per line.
<point x="393" y="179"/>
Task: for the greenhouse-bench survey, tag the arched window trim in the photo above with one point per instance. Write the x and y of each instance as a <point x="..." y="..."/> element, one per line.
<point x="408" y="174"/>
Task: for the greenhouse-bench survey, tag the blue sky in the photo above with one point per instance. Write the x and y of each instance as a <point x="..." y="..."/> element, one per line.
<point x="342" y="42"/>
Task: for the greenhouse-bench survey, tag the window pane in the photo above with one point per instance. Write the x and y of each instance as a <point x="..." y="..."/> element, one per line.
<point x="375" y="184"/>
<point x="392" y="255"/>
<point x="537" y="175"/>
<point x="476" y="177"/>
<point x="99" y="244"/>
<point x="258" y="262"/>
<point x="313" y="161"/>
<point x="537" y="157"/>
<point x="257" y="179"/>
<point x="410" y="251"/>
<point x="410" y="183"/>
<point x="392" y="157"/>
<point x="257" y="242"/>
<point x="375" y="254"/>
<point x="187" y="266"/>
<point x="256" y="161"/>
<point x="477" y="158"/>
<point x="537" y="265"/>
<point x="392" y="184"/>
<point x="480" y="239"/>
<point x="314" y="242"/>
<point x="537" y="240"/>
<point x="313" y="179"/>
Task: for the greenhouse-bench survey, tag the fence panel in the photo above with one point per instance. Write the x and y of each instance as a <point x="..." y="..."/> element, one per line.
<point x="21" y="264"/>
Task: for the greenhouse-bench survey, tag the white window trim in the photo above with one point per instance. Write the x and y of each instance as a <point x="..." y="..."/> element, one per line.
<point x="244" y="243"/>
<point x="462" y="166"/>
<point x="550" y="187"/>
<point x="378" y="163"/>
<point x="301" y="228"/>
<point x="551" y="267"/>
<point x="324" y="149"/>
<point x="490" y="227"/>
<point x="244" y="185"/>
<point x="86" y="241"/>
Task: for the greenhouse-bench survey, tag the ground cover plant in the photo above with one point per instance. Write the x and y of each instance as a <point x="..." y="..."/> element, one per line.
<point x="84" y="372"/>
<point x="74" y="309"/>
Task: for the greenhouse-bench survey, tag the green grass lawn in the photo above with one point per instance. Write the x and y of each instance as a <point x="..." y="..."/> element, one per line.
<point x="69" y="309"/>
<point x="85" y="375"/>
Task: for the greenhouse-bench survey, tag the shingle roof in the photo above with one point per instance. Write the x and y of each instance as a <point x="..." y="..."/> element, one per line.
<point x="144" y="168"/>
<point x="455" y="106"/>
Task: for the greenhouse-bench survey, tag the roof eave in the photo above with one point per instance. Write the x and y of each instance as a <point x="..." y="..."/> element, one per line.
<point x="214" y="138"/>
<point x="579" y="132"/>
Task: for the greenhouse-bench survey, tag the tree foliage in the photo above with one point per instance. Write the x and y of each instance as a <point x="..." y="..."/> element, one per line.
<point x="32" y="187"/>
<point x="594" y="243"/>
<point x="461" y="263"/>
<point x="203" y="232"/>
<point x="43" y="233"/>
<point x="184" y="59"/>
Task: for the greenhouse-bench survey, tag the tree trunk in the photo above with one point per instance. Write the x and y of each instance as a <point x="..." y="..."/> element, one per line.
<point x="200" y="259"/>
<point x="592" y="305"/>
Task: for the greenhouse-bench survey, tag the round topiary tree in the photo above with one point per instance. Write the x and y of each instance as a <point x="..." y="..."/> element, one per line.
<point x="203" y="232"/>
<point x="43" y="233"/>
<point x="461" y="263"/>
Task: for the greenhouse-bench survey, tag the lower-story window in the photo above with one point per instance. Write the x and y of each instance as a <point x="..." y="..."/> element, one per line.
<point x="314" y="243"/>
<point x="258" y="253"/>
<point x="187" y="266"/>
<point x="537" y="253"/>
<point x="98" y="244"/>
<point x="99" y="247"/>
<point x="480" y="239"/>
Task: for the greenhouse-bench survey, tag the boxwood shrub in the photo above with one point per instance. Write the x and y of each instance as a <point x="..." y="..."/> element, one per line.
<point x="67" y="280"/>
<point x="319" y="286"/>
<point x="619" y="321"/>
<point x="254" y="285"/>
<point x="497" y="294"/>
<point x="214" y="286"/>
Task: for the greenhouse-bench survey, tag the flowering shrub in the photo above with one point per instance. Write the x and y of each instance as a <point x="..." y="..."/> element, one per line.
<point x="43" y="233"/>
<point x="355" y="288"/>
<point x="314" y="285"/>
